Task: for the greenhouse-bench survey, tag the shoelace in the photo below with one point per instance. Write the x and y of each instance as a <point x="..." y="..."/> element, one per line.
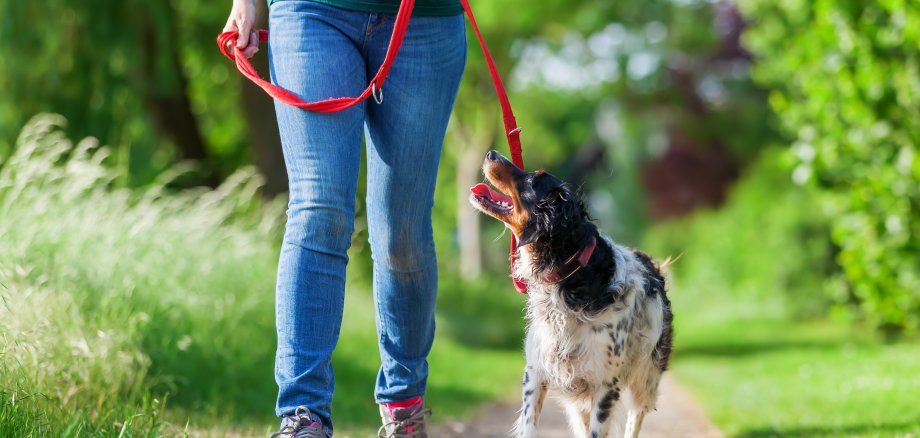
<point x="413" y="420"/>
<point x="299" y="422"/>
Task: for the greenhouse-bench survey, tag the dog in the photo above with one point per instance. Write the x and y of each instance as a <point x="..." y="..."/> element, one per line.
<point x="599" y="321"/>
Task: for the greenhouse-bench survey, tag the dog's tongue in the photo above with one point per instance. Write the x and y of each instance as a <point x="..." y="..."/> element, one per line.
<point x="487" y="192"/>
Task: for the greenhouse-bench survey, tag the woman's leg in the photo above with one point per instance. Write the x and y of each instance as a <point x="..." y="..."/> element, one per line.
<point x="404" y="138"/>
<point x="315" y="52"/>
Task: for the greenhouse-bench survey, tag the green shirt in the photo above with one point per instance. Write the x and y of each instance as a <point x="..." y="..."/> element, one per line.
<point x="422" y="7"/>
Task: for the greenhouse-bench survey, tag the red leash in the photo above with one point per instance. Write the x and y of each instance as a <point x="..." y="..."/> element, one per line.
<point x="328" y="105"/>
<point x="374" y="88"/>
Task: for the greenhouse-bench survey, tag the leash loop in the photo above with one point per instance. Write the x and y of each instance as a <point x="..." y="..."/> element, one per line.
<point x="400" y="25"/>
<point x="374" y="91"/>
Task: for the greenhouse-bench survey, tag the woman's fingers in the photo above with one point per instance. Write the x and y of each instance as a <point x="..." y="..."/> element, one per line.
<point x="253" y="46"/>
<point x="231" y="23"/>
<point x="241" y="20"/>
<point x="245" y="27"/>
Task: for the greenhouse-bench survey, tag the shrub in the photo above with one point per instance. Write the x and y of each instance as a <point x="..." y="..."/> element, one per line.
<point x="766" y="253"/>
<point x="846" y="79"/>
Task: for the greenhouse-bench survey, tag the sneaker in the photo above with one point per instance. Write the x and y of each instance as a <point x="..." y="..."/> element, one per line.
<point x="404" y="419"/>
<point x="299" y="425"/>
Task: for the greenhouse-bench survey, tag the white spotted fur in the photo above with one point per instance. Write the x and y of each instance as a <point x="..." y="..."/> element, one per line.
<point x="567" y="355"/>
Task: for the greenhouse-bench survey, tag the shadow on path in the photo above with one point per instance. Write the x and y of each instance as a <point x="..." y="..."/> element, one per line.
<point x="733" y="350"/>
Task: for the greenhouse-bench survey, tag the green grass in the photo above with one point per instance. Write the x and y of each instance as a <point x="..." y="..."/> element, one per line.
<point x="768" y="377"/>
<point x="149" y="313"/>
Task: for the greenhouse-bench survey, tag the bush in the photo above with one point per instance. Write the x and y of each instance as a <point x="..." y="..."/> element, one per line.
<point x="766" y="253"/>
<point x="847" y="87"/>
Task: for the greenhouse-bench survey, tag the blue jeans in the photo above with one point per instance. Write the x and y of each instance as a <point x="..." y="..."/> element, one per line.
<point x="319" y="51"/>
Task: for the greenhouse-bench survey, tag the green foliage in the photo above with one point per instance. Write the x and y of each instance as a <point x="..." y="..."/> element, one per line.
<point x="600" y="103"/>
<point x="845" y="75"/>
<point x="107" y="65"/>
<point x="765" y="252"/>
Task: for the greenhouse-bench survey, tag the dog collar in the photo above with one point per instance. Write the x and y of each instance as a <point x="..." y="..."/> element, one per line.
<point x="573" y="264"/>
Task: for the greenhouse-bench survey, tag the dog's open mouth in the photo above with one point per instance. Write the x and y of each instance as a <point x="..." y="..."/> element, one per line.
<point x="491" y="201"/>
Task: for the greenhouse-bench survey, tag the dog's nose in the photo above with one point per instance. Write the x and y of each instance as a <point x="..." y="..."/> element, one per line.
<point x="493" y="156"/>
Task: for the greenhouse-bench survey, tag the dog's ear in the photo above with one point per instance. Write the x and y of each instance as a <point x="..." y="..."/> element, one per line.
<point x="530" y="232"/>
<point x="560" y="210"/>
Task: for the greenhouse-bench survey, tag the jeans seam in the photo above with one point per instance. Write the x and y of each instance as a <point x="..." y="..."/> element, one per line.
<point x="379" y="308"/>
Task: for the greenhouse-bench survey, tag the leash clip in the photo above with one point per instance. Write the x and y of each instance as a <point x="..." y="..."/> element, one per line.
<point x="374" y="91"/>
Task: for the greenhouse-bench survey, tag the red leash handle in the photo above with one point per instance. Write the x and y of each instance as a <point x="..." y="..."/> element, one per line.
<point x="227" y="40"/>
<point x="227" y="44"/>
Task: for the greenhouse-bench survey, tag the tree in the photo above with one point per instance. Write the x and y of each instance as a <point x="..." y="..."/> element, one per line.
<point x="142" y="76"/>
<point x="845" y="79"/>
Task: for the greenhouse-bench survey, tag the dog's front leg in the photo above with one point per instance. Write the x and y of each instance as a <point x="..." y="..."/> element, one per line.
<point x="605" y="398"/>
<point x="534" y="393"/>
<point x="634" y="423"/>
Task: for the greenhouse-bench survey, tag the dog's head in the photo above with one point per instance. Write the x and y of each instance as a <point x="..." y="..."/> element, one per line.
<point x="538" y="207"/>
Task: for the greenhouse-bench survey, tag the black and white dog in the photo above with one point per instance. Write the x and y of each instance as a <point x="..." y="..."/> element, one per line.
<point x="599" y="322"/>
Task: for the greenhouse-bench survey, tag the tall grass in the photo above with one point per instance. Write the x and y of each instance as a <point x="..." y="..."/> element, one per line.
<point x="111" y="297"/>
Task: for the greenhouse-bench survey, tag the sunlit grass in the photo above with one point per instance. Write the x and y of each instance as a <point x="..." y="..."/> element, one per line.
<point x="767" y="377"/>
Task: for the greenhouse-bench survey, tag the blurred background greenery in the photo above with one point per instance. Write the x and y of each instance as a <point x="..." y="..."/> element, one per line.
<point x="771" y="145"/>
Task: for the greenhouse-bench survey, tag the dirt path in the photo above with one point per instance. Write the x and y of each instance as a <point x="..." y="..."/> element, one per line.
<point x="678" y="415"/>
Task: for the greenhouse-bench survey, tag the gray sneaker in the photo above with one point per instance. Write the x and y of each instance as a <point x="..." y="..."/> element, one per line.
<point x="300" y="425"/>
<point x="404" y="422"/>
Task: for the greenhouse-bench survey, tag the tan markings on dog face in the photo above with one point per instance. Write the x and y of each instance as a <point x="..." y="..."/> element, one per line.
<point x="500" y="175"/>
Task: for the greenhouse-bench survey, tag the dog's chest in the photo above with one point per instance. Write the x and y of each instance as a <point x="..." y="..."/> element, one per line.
<point x="577" y="356"/>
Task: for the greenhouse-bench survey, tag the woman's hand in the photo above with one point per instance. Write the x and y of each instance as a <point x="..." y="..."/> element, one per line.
<point x="242" y="19"/>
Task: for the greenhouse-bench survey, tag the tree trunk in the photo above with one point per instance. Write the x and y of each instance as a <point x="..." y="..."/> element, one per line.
<point x="468" y="225"/>
<point x="166" y="89"/>
<point x="469" y="163"/>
